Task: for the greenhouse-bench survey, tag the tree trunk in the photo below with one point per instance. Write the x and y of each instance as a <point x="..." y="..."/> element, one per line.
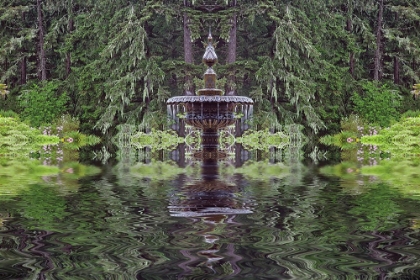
<point x="396" y="60"/>
<point x="42" y="68"/>
<point x="188" y="50"/>
<point x="23" y="71"/>
<point x="188" y="53"/>
<point x="238" y="127"/>
<point x="23" y="63"/>
<point x="349" y="28"/>
<point x="238" y="155"/>
<point x="181" y="158"/>
<point x="68" y="64"/>
<point x="351" y="64"/>
<point x="70" y="28"/>
<point x="188" y="56"/>
<point x="378" y="51"/>
<point x="349" y="24"/>
<point x="231" y="55"/>
<point x="6" y="66"/>
<point x="396" y="70"/>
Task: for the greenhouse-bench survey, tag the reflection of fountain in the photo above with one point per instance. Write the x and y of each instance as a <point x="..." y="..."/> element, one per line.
<point x="212" y="205"/>
<point x="218" y="257"/>
<point x="210" y="111"/>
<point x="208" y="197"/>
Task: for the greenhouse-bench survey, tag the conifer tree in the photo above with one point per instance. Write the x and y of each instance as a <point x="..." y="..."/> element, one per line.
<point x="17" y="51"/>
<point x="119" y="61"/>
<point x="42" y="60"/>
<point x="378" y="71"/>
<point x="402" y="40"/>
<point x="289" y="76"/>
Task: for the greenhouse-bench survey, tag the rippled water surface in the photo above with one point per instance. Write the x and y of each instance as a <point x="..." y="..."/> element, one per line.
<point x="293" y="224"/>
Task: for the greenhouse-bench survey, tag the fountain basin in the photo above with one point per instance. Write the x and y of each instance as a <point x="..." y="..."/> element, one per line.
<point x="210" y="111"/>
<point x="208" y="99"/>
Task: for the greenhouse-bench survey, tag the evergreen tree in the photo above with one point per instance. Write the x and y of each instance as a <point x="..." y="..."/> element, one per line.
<point x="402" y="40"/>
<point x="18" y="33"/>
<point x="289" y="76"/>
<point x="119" y="61"/>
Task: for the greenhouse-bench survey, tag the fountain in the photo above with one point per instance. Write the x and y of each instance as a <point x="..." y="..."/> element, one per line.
<point x="212" y="200"/>
<point x="209" y="110"/>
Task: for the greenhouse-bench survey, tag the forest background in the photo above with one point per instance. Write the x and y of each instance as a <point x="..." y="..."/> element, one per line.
<point x="112" y="62"/>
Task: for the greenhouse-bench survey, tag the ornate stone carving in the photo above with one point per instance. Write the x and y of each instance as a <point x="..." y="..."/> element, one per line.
<point x="210" y="110"/>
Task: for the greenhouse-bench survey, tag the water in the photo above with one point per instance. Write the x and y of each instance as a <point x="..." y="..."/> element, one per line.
<point x="256" y="222"/>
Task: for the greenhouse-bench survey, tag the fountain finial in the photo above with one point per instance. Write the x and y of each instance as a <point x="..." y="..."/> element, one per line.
<point x="210" y="56"/>
<point x="210" y="38"/>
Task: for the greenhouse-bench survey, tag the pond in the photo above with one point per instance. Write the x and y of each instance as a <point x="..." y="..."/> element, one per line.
<point x="293" y="218"/>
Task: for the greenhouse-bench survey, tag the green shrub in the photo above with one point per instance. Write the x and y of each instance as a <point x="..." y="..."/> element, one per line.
<point x="17" y="139"/>
<point x="9" y="114"/>
<point x="411" y="114"/>
<point x="156" y="140"/>
<point x="43" y="104"/>
<point x="74" y="140"/>
<point x="402" y="139"/>
<point x="263" y="140"/>
<point x="377" y="104"/>
<point x="345" y="140"/>
<point x="352" y="123"/>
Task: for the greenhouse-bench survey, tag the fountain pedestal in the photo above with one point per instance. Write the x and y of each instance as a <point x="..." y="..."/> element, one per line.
<point x="210" y="153"/>
<point x="210" y="138"/>
<point x="210" y="111"/>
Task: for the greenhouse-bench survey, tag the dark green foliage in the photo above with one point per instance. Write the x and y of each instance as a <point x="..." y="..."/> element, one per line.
<point x="43" y="104"/>
<point x="377" y="104"/>
<point x="118" y="61"/>
<point x="17" y="33"/>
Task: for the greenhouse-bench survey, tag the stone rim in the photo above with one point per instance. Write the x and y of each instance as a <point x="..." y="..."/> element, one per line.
<point x="207" y="99"/>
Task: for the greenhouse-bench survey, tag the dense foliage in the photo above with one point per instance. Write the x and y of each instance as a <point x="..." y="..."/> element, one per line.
<point x="402" y="139"/>
<point x="17" y="139"/>
<point x="116" y="62"/>
<point x="43" y="105"/>
<point x="390" y="154"/>
<point x="28" y="155"/>
<point x="377" y="105"/>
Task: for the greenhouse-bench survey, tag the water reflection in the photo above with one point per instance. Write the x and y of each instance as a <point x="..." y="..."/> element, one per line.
<point x="260" y="221"/>
<point x="210" y="203"/>
<point x="216" y="255"/>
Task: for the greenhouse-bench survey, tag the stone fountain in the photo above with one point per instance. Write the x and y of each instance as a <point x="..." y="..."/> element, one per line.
<point x="209" y="110"/>
<point x="211" y="199"/>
